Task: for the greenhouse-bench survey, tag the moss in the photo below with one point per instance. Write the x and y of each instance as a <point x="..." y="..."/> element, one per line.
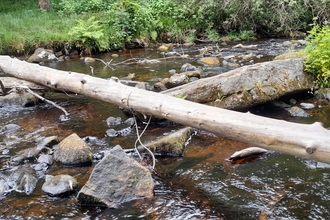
<point x="290" y="55"/>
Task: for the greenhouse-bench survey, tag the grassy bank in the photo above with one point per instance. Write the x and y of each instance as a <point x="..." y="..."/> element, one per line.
<point x="24" y="27"/>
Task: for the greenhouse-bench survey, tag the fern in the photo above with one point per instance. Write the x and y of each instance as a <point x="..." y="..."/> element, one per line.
<point x="91" y="34"/>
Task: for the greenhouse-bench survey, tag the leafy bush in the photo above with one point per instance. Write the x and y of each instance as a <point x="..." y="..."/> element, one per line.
<point x="317" y="61"/>
<point x="91" y="34"/>
<point x="241" y="35"/>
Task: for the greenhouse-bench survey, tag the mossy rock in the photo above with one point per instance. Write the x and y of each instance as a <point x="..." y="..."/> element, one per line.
<point x="290" y="55"/>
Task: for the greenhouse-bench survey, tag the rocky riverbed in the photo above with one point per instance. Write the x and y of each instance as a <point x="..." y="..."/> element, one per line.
<point x="200" y="184"/>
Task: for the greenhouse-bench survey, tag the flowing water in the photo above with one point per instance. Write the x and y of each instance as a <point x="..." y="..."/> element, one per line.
<point x="199" y="185"/>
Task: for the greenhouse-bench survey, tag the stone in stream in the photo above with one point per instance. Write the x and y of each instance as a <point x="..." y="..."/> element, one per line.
<point x="112" y="121"/>
<point x="116" y="179"/>
<point x="59" y="185"/>
<point x="73" y="151"/>
<point x="22" y="179"/>
<point x="172" y="144"/>
<point x="9" y="128"/>
<point x="187" y="67"/>
<point x="307" y="105"/>
<point x="31" y="153"/>
<point x="297" y="112"/>
<point x="42" y="55"/>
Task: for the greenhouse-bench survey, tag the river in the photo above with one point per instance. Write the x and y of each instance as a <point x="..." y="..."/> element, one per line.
<point x="199" y="185"/>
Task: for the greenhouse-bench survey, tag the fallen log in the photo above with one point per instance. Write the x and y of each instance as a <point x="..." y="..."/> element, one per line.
<point x="249" y="85"/>
<point x="306" y="141"/>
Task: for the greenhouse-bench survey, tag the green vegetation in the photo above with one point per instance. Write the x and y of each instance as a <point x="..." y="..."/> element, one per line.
<point x="24" y="27"/>
<point x="317" y="60"/>
<point x="100" y="25"/>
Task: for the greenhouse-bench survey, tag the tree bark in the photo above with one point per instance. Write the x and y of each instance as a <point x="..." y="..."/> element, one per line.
<point x="306" y="141"/>
<point x="249" y="85"/>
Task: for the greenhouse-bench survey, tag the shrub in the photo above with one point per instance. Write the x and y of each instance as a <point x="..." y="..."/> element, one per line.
<point x="90" y="34"/>
<point x="317" y="61"/>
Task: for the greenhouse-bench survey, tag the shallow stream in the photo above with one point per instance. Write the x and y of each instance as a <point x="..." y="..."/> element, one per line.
<point x="199" y="185"/>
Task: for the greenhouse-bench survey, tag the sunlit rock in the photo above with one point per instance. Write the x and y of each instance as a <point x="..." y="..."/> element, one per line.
<point x="73" y="151"/>
<point x="211" y="61"/>
<point x="307" y="105"/>
<point x="163" y="48"/>
<point x="116" y="179"/>
<point x="89" y="60"/>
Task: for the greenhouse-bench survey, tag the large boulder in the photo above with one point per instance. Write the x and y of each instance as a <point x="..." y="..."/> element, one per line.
<point x="73" y="151"/>
<point x="249" y="85"/>
<point x="116" y="179"/>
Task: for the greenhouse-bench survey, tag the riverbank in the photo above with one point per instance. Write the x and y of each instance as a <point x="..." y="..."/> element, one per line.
<point x="101" y="26"/>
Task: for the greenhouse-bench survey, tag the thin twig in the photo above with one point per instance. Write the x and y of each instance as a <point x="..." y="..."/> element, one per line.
<point x="139" y="140"/>
<point x="27" y="89"/>
<point x="102" y="61"/>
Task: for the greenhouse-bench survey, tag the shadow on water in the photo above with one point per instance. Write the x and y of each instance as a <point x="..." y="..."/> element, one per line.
<point x="199" y="185"/>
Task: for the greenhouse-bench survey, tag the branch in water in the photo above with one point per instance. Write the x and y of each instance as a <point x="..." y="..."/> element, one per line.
<point x="27" y="89"/>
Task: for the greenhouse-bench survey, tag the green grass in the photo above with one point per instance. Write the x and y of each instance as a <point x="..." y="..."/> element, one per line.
<point x="24" y="27"/>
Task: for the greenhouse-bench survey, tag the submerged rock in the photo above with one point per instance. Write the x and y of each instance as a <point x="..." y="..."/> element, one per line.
<point x="59" y="185"/>
<point x="172" y="144"/>
<point x="297" y="112"/>
<point x="111" y="121"/>
<point x="279" y="104"/>
<point x="188" y="67"/>
<point x="116" y="179"/>
<point x="22" y="179"/>
<point x="33" y="152"/>
<point x="73" y="151"/>
<point x="9" y="128"/>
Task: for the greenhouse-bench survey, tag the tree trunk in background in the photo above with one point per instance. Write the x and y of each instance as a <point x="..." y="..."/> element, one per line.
<point x="307" y="141"/>
<point x="44" y="4"/>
